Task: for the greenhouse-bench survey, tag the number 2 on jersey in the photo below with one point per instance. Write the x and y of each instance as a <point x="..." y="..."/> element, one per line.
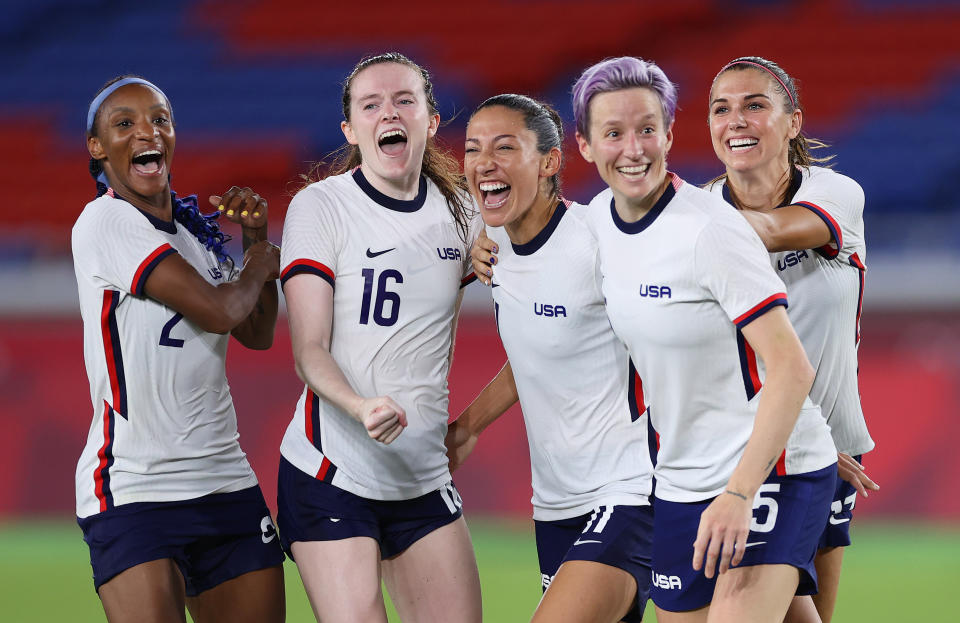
<point x="383" y="296"/>
<point x="165" y="339"/>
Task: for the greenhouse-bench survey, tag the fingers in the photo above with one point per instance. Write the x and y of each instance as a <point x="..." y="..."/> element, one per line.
<point x="852" y="471"/>
<point x="700" y="545"/>
<point x="740" y="547"/>
<point x="482" y="256"/>
<point x="385" y="421"/>
<point x="242" y="205"/>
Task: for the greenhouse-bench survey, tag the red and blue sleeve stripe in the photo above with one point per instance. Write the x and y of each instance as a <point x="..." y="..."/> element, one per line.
<point x="468" y="280"/>
<point x="858" y="263"/>
<point x="146" y="267"/>
<point x="829" y="250"/>
<point x="112" y="351"/>
<point x="748" y="367"/>
<point x="310" y="267"/>
<point x="101" y="474"/>
<point x="311" y="422"/>
<point x="760" y="309"/>
<point x="635" y="393"/>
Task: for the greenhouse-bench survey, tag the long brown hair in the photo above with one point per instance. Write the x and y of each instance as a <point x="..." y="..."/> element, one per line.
<point x="799" y="151"/>
<point x="438" y="164"/>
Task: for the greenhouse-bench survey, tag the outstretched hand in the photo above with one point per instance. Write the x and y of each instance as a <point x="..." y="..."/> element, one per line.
<point x="242" y="206"/>
<point x="722" y="534"/>
<point x="483" y="255"/>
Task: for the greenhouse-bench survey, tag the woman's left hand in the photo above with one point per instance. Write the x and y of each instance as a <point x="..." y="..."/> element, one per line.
<point x="722" y="534"/>
<point x="242" y="206"/>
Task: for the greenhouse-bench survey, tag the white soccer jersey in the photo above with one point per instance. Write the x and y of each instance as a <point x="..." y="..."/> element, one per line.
<point x="164" y="427"/>
<point x="396" y="268"/>
<point x="825" y="287"/>
<point x="582" y="405"/>
<point x="680" y="284"/>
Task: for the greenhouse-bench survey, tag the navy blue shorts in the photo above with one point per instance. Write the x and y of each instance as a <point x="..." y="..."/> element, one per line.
<point x="309" y="509"/>
<point x="837" y="531"/>
<point x="618" y="536"/>
<point x="211" y="539"/>
<point x="789" y="513"/>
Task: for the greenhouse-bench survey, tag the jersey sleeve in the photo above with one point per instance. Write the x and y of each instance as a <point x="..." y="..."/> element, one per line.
<point x="734" y="267"/>
<point x="311" y="238"/>
<point x="115" y="244"/>
<point x="838" y="201"/>
<point x="474" y="226"/>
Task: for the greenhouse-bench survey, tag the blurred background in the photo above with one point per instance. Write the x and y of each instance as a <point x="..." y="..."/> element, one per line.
<point x="256" y="88"/>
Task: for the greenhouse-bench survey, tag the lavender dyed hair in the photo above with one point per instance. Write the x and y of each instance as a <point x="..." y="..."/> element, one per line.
<point x="614" y="74"/>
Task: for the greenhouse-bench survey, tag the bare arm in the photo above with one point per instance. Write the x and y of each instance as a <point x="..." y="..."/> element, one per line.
<point x="789" y="377"/>
<point x="217" y="309"/>
<point x="790" y="228"/>
<point x="243" y="206"/>
<point x="498" y="396"/>
<point x="310" y="312"/>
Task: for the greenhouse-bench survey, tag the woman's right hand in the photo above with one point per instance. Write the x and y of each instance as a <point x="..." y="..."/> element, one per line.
<point x="265" y="256"/>
<point x="483" y="255"/>
<point x="383" y="418"/>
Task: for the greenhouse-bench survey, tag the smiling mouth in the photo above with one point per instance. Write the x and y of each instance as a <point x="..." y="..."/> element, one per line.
<point x="392" y="142"/>
<point x="741" y="144"/>
<point x="494" y="194"/>
<point x="149" y="162"/>
<point x="635" y="171"/>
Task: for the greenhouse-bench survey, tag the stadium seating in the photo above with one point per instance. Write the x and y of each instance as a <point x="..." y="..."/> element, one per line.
<point x="256" y="84"/>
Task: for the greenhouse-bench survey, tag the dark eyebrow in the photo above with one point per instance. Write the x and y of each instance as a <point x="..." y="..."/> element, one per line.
<point x="495" y="138"/>
<point x="127" y="109"/>
<point x="747" y="97"/>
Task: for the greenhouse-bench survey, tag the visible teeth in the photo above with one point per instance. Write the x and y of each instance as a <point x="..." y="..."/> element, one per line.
<point x="742" y="143"/>
<point x="492" y="186"/>
<point x="392" y="133"/>
<point x="151" y="152"/>
<point x="632" y="170"/>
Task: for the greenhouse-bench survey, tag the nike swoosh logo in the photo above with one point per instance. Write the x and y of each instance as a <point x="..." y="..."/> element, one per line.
<point x="376" y="253"/>
<point x="837" y="522"/>
<point x="583" y="542"/>
<point x="336" y="519"/>
<point x="754" y="543"/>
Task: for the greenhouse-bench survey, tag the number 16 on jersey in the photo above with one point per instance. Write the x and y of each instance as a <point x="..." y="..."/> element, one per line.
<point x="380" y="299"/>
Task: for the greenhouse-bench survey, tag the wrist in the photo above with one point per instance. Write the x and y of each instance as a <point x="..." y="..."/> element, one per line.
<point x="736" y="494"/>
<point x="252" y="235"/>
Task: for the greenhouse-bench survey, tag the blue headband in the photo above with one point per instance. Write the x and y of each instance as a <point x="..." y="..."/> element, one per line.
<point x="107" y="92"/>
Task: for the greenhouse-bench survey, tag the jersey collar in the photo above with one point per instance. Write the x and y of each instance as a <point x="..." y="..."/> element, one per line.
<point x="169" y="227"/>
<point x="796" y="178"/>
<point x="398" y="205"/>
<point x="638" y="226"/>
<point x="529" y="248"/>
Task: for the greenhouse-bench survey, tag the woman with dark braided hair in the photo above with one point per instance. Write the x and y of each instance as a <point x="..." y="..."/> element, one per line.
<point x="374" y="259"/>
<point x="166" y="499"/>
<point x="810" y="218"/>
